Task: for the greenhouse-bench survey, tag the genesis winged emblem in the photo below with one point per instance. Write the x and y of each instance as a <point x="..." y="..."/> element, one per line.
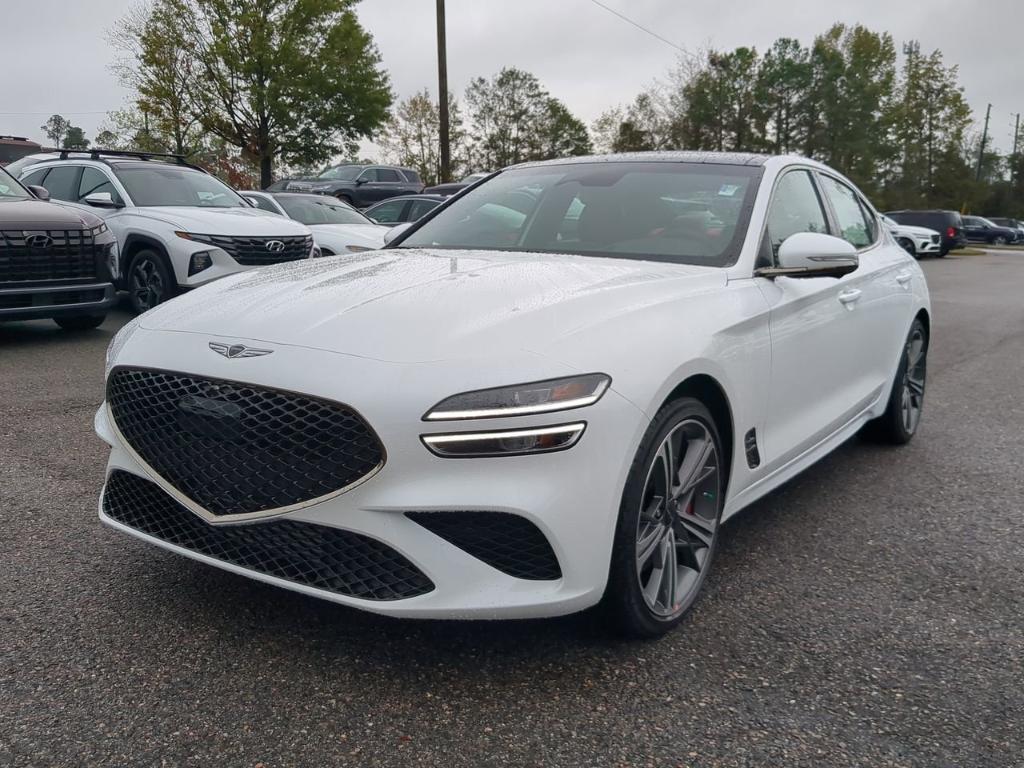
<point x="233" y="351"/>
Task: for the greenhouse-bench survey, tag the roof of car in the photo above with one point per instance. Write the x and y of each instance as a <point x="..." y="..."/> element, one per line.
<point x="432" y="198"/>
<point x="717" y="158"/>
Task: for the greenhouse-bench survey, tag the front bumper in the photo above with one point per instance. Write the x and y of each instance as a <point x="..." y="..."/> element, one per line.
<point x="36" y="302"/>
<point x="572" y="497"/>
<point x="925" y="246"/>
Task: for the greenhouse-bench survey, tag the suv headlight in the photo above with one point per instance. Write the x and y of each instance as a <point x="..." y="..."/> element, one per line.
<point x="117" y="343"/>
<point x="523" y="399"/>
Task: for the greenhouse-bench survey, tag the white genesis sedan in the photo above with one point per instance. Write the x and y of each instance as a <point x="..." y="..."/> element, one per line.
<point x="547" y="394"/>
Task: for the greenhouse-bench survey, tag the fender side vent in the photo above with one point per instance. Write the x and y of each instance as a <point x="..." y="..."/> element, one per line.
<point x="750" y="445"/>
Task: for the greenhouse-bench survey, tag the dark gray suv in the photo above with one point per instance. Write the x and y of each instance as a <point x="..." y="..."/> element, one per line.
<point x="358" y="185"/>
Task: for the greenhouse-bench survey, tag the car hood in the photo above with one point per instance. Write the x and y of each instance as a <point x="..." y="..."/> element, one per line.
<point x="912" y="230"/>
<point x="225" y="221"/>
<point x="365" y="235"/>
<point x="36" y="214"/>
<point x="412" y="305"/>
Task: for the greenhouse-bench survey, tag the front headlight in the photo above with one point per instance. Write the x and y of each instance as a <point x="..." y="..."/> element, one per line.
<point x="523" y="399"/>
<point x="117" y="343"/>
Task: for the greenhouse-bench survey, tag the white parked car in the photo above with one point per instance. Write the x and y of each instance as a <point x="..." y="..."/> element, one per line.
<point x="177" y="226"/>
<point x="917" y="241"/>
<point x="516" y="411"/>
<point x="337" y="227"/>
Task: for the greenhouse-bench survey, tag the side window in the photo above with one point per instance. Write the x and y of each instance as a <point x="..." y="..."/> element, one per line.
<point x="35" y="178"/>
<point x="262" y="203"/>
<point x="94" y="180"/>
<point x="412" y="176"/>
<point x="370" y="174"/>
<point x="855" y="226"/>
<point x="420" y="208"/>
<point x="62" y="182"/>
<point x="794" y="208"/>
<point x="388" y="213"/>
<point x="389" y="175"/>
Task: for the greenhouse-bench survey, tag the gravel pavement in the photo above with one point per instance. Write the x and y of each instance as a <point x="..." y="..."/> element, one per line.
<point x="869" y="613"/>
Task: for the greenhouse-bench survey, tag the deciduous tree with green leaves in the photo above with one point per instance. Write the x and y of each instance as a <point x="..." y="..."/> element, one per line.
<point x="412" y="136"/>
<point x="297" y="81"/>
<point x="56" y="128"/>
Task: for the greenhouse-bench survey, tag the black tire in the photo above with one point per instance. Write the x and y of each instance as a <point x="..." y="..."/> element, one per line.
<point x="907" y="245"/>
<point x="346" y="198"/>
<point x="80" y="322"/>
<point x="896" y="426"/>
<point x="149" y="281"/>
<point x="624" y="598"/>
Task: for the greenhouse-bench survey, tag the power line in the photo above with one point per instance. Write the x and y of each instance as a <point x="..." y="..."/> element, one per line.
<point x="48" y="112"/>
<point x="641" y="27"/>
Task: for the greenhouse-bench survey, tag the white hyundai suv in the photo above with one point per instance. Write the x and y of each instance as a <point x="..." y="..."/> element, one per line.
<point x="177" y="226"/>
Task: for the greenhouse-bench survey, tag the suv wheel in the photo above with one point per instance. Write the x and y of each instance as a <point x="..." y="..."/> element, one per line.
<point x="907" y="245"/>
<point x="347" y="199"/>
<point x="80" y="322"/>
<point x="999" y="240"/>
<point x="149" y="281"/>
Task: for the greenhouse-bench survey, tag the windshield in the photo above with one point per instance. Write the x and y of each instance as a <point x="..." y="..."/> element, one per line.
<point x="342" y="172"/>
<point x="168" y="185"/>
<point x="314" y="209"/>
<point x="10" y="189"/>
<point x="691" y="213"/>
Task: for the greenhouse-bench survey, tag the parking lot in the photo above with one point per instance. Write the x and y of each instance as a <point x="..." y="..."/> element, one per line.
<point x="869" y="613"/>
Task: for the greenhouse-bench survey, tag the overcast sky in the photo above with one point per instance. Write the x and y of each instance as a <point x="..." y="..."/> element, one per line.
<point x="56" y="57"/>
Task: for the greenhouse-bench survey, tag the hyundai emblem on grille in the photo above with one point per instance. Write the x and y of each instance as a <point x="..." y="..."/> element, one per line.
<point x="231" y="351"/>
<point x="38" y="241"/>
<point x="275" y="246"/>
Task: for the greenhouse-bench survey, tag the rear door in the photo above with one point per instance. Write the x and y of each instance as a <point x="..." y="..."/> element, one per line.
<point x="391" y="183"/>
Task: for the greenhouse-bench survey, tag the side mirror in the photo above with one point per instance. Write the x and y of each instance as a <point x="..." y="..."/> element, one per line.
<point x="101" y="200"/>
<point x="812" y="254"/>
<point x="41" y="193"/>
<point x="394" y="232"/>
<point x="360" y="181"/>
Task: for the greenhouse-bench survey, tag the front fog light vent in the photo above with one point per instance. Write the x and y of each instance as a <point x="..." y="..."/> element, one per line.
<point x="199" y="262"/>
<point x="511" y="442"/>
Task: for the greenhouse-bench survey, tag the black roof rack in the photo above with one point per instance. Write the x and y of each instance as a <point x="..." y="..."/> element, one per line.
<point x="98" y="154"/>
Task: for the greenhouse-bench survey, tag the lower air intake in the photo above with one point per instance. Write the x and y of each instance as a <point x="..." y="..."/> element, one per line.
<point x="317" y="556"/>
<point x="507" y="542"/>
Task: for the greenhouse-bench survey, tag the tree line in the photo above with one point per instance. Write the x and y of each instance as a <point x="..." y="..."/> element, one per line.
<point x="267" y="87"/>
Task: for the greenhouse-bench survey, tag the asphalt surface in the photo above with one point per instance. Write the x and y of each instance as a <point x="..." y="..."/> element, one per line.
<point x="868" y="613"/>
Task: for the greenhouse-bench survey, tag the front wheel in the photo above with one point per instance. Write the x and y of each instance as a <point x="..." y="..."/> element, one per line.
<point x="149" y="281"/>
<point x="908" y="246"/>
<point x="668" y="521"/>
<point x="902" y="416"/>
<point x="80" y="322"/>
<point x="999" y="240"/>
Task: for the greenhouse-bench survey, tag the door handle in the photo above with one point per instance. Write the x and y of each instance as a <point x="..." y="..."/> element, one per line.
<point x="850" y="297"/>
<point x="903" y="278"/>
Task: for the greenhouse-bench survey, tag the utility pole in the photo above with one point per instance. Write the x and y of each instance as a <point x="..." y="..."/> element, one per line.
<point x="1016" y="161"/>
<point x="442" y="96"/>
<point x="984" y="138"/>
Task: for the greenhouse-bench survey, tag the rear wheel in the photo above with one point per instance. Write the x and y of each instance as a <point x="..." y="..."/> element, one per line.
<point x="80" y="322"/>
<point x="668" y="523"/>
<point x="347" y="199"/>
<point x="149" y="281"/>
<point x="899" y="423"/>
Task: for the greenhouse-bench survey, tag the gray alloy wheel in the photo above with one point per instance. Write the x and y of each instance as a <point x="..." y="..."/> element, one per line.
<point x="912" y="396"/>
<point x="149" y="283"/>
<point x="902" y="416"/>
<point x="999" y="240"/>
<point x="678" y="519"/>
<point x="669" y="519"/>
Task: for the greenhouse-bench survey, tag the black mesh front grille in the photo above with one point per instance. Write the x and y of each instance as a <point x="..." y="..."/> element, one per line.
<point x="318" y="556"/>
<point x="510" y="543"/>
<point x="260" y="251"/>
<point x="237" y="448"/>
<point x="51" y="255"/>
